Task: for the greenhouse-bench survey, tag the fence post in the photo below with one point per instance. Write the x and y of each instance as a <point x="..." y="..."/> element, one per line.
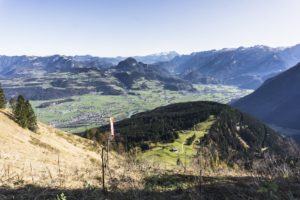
<point x="103" y="170"/>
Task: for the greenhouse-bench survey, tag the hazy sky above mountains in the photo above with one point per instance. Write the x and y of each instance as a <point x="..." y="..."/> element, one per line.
<point x="139" y="27"/>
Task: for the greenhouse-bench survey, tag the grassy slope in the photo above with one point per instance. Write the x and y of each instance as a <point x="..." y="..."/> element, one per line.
<point x="161" y="152"/>
<point x="49" y="158"/>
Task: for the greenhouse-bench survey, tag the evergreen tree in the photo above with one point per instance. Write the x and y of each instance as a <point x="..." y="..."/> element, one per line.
<point x="13" y="104"/>
<point x="20" y="111"/>
<point x="30" y="117"/>
<point x="24" y="113"/>
<point x="2" y="98"/>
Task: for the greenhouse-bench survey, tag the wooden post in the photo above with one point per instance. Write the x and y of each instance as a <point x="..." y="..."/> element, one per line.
<point x="105" y="161"/>
<point x="103" y="170"/>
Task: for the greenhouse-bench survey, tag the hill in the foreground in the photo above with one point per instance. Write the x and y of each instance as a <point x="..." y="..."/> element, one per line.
<point x="276" y="101"/>
<point x="231" y="137"/>
<point x="52" y="164"/>
<point x="49" y="158"/>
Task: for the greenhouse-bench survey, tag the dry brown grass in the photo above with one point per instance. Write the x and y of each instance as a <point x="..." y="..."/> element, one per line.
<point x="52" y="158"/>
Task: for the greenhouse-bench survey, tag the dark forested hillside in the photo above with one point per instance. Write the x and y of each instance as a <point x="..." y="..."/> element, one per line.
<point x="277" y="100"/>
<point x="234" y="136"/>
<point x="238" y="137"/>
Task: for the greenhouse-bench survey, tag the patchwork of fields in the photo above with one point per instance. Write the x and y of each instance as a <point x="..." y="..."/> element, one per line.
<point x="79" y="113"/>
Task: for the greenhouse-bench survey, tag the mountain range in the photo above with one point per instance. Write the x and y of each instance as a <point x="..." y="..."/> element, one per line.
<point x="19" y="66"/>
<point x="59" y="77"/>
<point x="242" y="67"/>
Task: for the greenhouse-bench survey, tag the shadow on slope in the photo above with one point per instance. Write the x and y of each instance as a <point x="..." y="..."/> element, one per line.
<point x="211" y="188"/>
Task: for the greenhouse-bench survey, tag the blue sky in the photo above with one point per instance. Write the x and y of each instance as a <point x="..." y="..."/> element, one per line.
<point x="139" y="27"/>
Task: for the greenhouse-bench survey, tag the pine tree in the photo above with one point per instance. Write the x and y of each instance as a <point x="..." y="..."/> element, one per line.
<point x="20" y="111"/>
<point x="30" y="117"/>
<point x="24" y="113"/>
<point x="2" y="98"/>
<point x="13" y="104"/>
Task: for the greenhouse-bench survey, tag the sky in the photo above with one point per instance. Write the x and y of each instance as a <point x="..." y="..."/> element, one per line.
<point x="139" y="27"/>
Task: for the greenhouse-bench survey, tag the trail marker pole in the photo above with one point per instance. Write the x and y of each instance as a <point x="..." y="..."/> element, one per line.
<point x="111" y="136"/>
<point x="112" y="131"/>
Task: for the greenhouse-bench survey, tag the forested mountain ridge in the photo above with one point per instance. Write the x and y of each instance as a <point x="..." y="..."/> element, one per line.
<point x="234" y="137"/>
<point x="276" y="101"/>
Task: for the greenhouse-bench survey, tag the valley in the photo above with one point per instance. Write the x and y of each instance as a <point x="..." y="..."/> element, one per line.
<point x="76" y="93"/>
<point x="91" y="110"/>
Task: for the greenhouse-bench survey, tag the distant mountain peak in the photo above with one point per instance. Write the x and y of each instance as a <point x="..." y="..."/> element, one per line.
<point x="128" y="62"/>
<point x="165" y="53"/>
<point x="157" y="57"/>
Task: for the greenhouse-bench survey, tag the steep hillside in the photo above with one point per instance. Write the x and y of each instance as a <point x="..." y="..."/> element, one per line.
<point x="233" y="137"/>
<point x="277" y="100"/>
<point x="243" y="67"/>
<point x="49" y="158"/>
